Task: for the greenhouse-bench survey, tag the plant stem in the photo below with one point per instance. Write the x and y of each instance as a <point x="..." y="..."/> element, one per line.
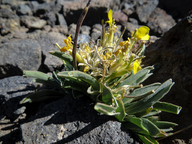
<point x="79" y="23"/>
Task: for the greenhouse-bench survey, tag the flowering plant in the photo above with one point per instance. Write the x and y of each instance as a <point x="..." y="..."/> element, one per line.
<point x="110" y="73"/>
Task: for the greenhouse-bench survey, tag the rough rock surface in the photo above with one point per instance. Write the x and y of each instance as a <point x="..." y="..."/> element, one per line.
<point x="20" y="55"/>
<point x="12" y="90"/>
<point x="47" y="42"/>
<point x="172" y="55"/>
<point x="73" y="121"/>
<point x="160" y="22"/>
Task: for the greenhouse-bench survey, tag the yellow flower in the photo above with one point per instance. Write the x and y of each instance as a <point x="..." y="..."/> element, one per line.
<point x="136" y="66"/>
<point x="110" y="17"/>
<point x="142" y="33"/>
<point x="68" y="44"/>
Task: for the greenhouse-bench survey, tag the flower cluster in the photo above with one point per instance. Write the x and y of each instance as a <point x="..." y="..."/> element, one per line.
<point x="109" y="55"/>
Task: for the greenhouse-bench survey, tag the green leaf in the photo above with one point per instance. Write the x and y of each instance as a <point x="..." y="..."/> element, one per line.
<point x="76" y="84"/>
<point x="150" y="100"/>
<point x="107" y="95"/>
<point x="167" y="107"/>
<point x="164" y="124"/>
<point x="82" y="76"/>
<point x="141" y="92"/>
<point x="42" y="95"/>
<point x="105" y="109"/>
<point x="121" y="110"/>
<point x="147" y="139"/>
<point x="136" y="78"/>
<point x="68" y="60"/>
<point x="134" y="124"/>
<point x="152" y="113"/>
<point x="152" y="128"/>
<point x="43" y="78"/>
<point x="93" y="94"/>
<point x="144" y="112"/>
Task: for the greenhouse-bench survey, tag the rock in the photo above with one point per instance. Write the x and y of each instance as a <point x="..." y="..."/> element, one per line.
<point x="83" y="38"/>
<point x="47" y="42"/>
<point x="61" y="29"/>
<point x="172" y="54"/>
<point x="19" y="55"/>
<point x="50" y="17"/>
<point x="24" y="10"/>
<point x="6" y="12"/>
<point x="9" y="25"/>
<point x="72" y="29"/>
<point x="96" y="32"/>
<point x="47" y="7"/>
<point x="160" y="22"/>
<point x="144" y="8"/>
<point x="12" y="91"/>
<point x="73" y="121"/>
<point x="120" y="17"/>
<point x="177" y="9"/>
<point x="85" y="30"/>
<point x="97" y="11"/>
<point x="61" y="20"/>
<point x="33" y="22"/>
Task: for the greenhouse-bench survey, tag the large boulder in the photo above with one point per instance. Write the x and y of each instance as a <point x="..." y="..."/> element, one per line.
<point x="19" y="55"/>
<point x="73" y="121"/>
<point x="172" y="57"/>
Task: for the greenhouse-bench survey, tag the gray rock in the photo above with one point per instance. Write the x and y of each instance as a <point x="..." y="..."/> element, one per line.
<point x="47" y="42"/>
<point x="20" y="55"/>
<point x="73" y="121"/>
<point x="160" y="21"/>
<point x="85" y="30"/>
<point x="24" y="10"/>
<point x="33" y="22"/>
<point x="47" y="7"/>
<point x="120" y="17"/>
<point x="172" y="54"/>
<point x="9" y="25"/>
<point x="82" y="38"/>
<point x="72" y="29"/>
<point x="60" y="28"/>
<point x="12" y="91"/>
<point x="6" y="12"/>
<point x="50" y="17"/>
<point x="144" y="8"/>
<point x="61" y="20"/>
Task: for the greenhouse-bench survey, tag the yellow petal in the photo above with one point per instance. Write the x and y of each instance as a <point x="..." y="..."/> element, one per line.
<point x="135" y="66"/>
<point x="143" y="33"/>
<point x="110" y="15"/>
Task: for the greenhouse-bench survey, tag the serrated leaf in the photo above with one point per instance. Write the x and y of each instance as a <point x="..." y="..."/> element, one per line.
<point x="136" y="78"/>
<point x="82" y="76"/>
<point x="42" y="95"/>
<point x="167" y="107"/>
<point x="105" y="109"/>
<point x="150" y="100"/>
<point x="40" y="77"/>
